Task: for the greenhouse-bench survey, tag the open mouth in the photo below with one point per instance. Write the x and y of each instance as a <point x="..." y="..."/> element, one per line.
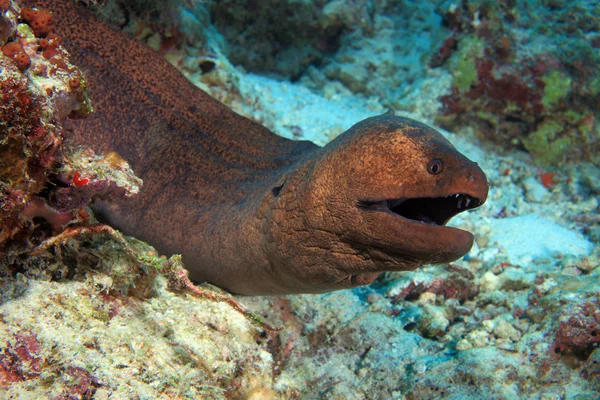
<point x="430" y="210"/>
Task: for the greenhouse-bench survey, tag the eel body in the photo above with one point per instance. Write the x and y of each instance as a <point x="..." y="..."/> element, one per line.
<point x="250" y="211"/>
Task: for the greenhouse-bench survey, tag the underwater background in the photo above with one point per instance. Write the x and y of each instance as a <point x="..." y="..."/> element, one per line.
<point x="514" y="85"/>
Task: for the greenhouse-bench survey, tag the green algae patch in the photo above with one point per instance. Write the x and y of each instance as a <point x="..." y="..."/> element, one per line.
<point x="556" y="89"/>
<point x="570" y="132"/>
<point x="462" y="64"/>
<point x="545" y="145"/>
<point x="465" y="73"/>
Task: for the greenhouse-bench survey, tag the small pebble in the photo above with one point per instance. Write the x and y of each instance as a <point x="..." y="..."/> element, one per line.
<point x="534" y="191"/>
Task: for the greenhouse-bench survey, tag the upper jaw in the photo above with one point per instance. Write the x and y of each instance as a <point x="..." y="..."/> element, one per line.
<point x="429" y="210"/>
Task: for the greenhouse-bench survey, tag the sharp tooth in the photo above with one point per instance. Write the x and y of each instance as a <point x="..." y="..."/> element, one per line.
<point x="467" y="201"/>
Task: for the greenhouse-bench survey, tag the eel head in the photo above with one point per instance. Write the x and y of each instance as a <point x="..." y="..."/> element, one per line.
<point x="375" y="199"/>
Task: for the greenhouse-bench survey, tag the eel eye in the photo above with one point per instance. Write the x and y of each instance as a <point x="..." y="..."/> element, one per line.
<point x="435" y="166"/>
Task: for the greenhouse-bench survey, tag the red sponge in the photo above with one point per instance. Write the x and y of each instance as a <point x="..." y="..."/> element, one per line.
<point x="40" y="21"/>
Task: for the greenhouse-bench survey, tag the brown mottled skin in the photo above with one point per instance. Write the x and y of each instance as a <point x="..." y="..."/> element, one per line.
<point x="250" y="211"/>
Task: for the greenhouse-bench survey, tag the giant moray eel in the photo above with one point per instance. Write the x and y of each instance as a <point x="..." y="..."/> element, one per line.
<point x="250" y="211"/>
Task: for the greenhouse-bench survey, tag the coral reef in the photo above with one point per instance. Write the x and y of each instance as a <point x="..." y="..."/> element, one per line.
<point x="38" y="90"/>
<point x="283" y="37"/>
<point x="145" y="15"/>
<point x="358" y="44"/>
<point x="83" y="339"/>
<point x="520" y="84"/>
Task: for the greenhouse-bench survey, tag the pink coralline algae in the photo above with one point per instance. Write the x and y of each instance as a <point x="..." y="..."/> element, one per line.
<point x="20" y="360"/>
<point x="579" y="335"/>
<point x="79" y="384"/>
<point x="456" y="284"/>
